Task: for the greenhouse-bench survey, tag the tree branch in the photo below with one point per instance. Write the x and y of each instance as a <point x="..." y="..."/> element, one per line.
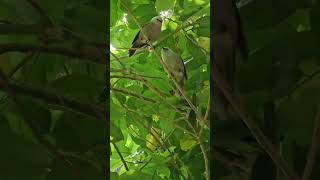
<point x="35" y="132"/>
<point x="254" y="128"/>
<point x="84" y="52"/>
<point x="56" y="99"/>
<point x="21" y="64"/>
<point x="40" y="11"/>
<point x="21" y="29"/>
<point x="133" y="94"/>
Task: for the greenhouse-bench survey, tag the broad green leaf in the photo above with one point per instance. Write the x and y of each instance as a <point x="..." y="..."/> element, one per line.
<point x="187" y="143"/>
<point x="162" y="5"/>
<point x="33" y="158"/>
<point x="114" y="14"/>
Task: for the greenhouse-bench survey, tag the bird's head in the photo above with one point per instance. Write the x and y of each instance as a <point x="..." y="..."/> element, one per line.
<point x="165" y="51"/>
<point x="156" y="19"/>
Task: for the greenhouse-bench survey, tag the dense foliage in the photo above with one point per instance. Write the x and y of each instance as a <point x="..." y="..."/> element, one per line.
<point x="52" y="66"/>
<point x="154" y="134"/>
<point x="279" y="86"/>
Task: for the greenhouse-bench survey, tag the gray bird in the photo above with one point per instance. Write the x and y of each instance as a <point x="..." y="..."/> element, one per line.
<point x="151" y="32"/>
<point x="228" y="42"/>
<point x="175" y="65"/>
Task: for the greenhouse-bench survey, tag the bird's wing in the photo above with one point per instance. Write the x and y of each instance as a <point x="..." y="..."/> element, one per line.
<point x="138" y="34"/>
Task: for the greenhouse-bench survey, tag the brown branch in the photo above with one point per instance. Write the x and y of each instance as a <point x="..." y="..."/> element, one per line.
<point x="151" y="87"/>
<point x="253" y="127"/>
<point x="89" y="53"/>
<point x="41" y="29"/>
<point x="206" y="160"/>
<point x="313" y="150"/>
<point x="21" y="29"/>
<point x="56" y="99"/>
<point x="133" y="94"/>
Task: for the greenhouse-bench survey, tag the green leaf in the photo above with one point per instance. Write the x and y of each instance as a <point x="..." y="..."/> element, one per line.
<point x="115" y="132"/>
<point x="114" y="15"/>
<point x="181" y="3"/>
<point x="92" y="27"/>
<point x="196" y="52"/>
<point x="315" y="14"/>
<point x="79" y="86"/>
<point x="135" y="176"/>
<point x="32" y="158"/>
<point x="204" y="27"/>
<point x="187" y="143"/>
<point x="162" y="5"/>
<point x="55" y="10"/>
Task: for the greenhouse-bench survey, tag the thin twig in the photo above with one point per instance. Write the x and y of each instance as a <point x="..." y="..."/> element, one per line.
<point x="88" y="53"/>
<point x="123" y="91"/>
<point x="206" y="160"/>
<point x="123" y="66"/>
<point x="43" y="13"/>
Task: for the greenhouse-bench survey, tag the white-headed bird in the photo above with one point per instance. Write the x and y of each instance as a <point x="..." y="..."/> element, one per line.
<point x="150" y="33"/>
<point x="175" y="65"/>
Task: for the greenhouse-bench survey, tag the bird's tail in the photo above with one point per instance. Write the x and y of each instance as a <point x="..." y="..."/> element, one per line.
<point x="132" y="51"/>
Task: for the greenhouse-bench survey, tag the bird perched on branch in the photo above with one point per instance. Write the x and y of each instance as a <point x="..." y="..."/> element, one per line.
<point x="150" y="33"/>
<point x="175" y="65"/>
<point x="228" y="43"/>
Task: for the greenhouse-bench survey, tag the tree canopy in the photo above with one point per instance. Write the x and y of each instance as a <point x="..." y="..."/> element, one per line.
<point x="52" y="71"/>
<point x="155" y="134"/>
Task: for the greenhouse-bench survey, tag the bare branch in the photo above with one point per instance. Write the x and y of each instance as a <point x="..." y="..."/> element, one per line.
<point x="89" y="53"/>
<point x="56" y="99"/>
<point x="133" y="94"/>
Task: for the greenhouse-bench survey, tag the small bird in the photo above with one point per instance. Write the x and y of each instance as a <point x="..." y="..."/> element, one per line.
<point x="175" y="65"/>
<point x="151" y="32"/>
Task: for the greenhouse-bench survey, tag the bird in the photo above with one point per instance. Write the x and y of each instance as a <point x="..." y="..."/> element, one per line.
<point x="151" y="31"/>
<point x="228" y="42"/>
<point x="175" y="65"/>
